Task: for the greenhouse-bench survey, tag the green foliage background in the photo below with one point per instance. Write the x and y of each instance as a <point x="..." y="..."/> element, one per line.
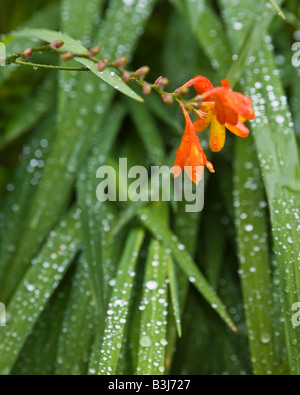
<point x="131" y="288"/>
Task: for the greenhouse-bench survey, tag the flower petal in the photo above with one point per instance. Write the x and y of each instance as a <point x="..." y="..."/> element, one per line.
<point x="201" y="84"/>
<point x="239" y="130"/>
<point x="217" y="135"/>
<point x="202" y="123"/>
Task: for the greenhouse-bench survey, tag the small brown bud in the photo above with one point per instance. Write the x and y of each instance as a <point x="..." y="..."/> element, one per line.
<point x="67" y="56"/>
<point x="121" y="62"/>
<point x="94" y="51"/>
<point x="147" y="89"/>
<point x="168" y="98"/>
<point x="26" y="54"/>
<point x="101" y="66"/>
<point x="126" y="77"/>
<point x="142" y="72"/>
<point x="162" y="83"/>
<point x="57" y="44"/>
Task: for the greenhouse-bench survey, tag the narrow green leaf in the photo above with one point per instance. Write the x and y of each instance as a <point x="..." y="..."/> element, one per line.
<point x="252" y="41"/>
<point x="91" y="207"/>
<point x="185" y="262"/>
<point x="81" y="109"/>
<point x="254" y="258"/>
<point x="78" y="326"/>
<point x="277" y="8"/>
<point x="36" y="288"/>
<point x="148" y="132"/>
<point x="174" y="293"/>
<point x="117" y="313"/>
<point x="30" y="113"/>
<point x="108" y="76"/>
<point x="154" y="306"/>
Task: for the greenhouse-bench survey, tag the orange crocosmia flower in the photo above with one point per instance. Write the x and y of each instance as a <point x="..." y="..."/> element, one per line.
<point x="190" y="155"/>
<point x="224" y="108"/>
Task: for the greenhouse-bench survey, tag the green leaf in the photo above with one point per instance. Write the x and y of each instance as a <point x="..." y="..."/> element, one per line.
<point x="254" y="259"/>
<point x="185" y="262"/>
<point x="154" y="303"/>
<point x="92" y="213"/>
<point x="78" y="326"/>
<point x="279" y="162"/>
<point x="108" y="76"/>
<point x="174" y="293"/>
<point x="81" y="108"/>
<point x="36" y="288"/>
<point x="148" y="132"/>
<point x="30" y="113"/>
<point x="277" y="8"/>
<point x="117" y="313"/>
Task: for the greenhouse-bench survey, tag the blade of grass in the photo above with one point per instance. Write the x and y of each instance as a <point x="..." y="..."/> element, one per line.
<point x="108" y="76"/>
<point x="90" y="207"/>
<point x="254" y="258"/>
<point x="80" y="109"/>
<point x="119" y="305"/>
<point x="44" y="336"/>
<point x="184" y="261"/>
<point x="154" y="303"/>
<point x="148" y="132"/>
<point x="78" y="326"/>
<point x="279" y="161"/>
<point x="32" y="295"/>
<point x="277" y="8"/>
<point x="30" y="114"/>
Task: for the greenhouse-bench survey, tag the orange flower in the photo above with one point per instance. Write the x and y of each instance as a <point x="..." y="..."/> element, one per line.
<point x="224" y="108"/>
<point x="190" y="155"/>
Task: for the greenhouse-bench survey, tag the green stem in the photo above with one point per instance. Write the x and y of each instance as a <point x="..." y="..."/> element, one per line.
<point x="49" y="67"/>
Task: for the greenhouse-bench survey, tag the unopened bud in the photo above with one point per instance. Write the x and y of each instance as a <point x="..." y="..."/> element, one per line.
<point x="147" y="89"/>
<point x="57" y="44"/>
<point x="210" y="167"/>
<point x="126" y="77"/>
<point x="162" y="83"/>
<point x="94" y="51"/>
<point x="199" y="99"/>
<point x="101" y="66"/>
<point x="142" y="72"/>
<point x="182" y="91"/>
<point x="67" y="56"/>
<point x="168" y="98"/>
<point x="189" y="106"/>
<point x="121" y="62"/>
<point x="26" y="54"/>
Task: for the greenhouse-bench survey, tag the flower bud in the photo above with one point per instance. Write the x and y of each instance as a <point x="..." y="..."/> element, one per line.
<point x="162" y="83"/>
<point x="142" y="72"/>
<point x="94" y="51"/>
<point x="57" y="44"/>
<point x="126" y="77"/>
<point x="26" y="54"/>
<point x="121" y="62"/>
<point x="182" y="91"/>
<point x="101" y="66"/>
<point x="147" y="89"/>
<point x="168" y="98"/>
<point x="210" y="167"/>
<point x="67" y="56"/>
<point x="189" y="106"/>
